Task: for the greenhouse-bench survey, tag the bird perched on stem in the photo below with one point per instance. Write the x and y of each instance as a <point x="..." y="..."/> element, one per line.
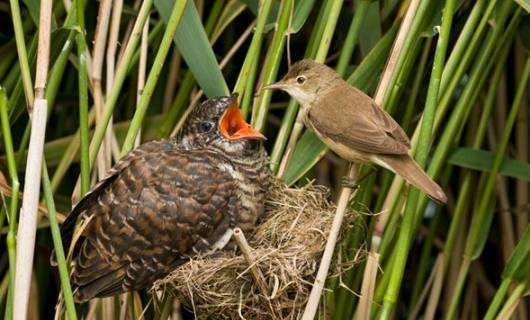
<point x="352" y="124"/>
<point x="168" y="200"/>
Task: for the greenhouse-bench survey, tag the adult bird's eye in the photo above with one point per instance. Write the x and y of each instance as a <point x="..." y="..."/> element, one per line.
<point x="300" y="79"/>
<point x="205" y="127"/>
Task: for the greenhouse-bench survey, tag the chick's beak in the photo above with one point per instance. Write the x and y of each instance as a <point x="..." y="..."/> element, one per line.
<point x="234" y="127"/>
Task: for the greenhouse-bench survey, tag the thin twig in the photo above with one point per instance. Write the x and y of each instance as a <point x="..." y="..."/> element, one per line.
<point x="320" y="280"/>
<point x="142" y="67"/>
<point x="111" y="63"/>
<point x="434" y="296"/>
<point x="368" y="286"/>
<point x="128" y="32"/>
<point x="171" y="85"/>
<point x="435" y="274"/>
<point x="245" y="248"/>
<point x="100" y="39"/>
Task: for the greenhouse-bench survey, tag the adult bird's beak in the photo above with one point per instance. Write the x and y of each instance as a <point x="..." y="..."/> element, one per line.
<point x="234" y="127"/>
<point x="278" y="85"/>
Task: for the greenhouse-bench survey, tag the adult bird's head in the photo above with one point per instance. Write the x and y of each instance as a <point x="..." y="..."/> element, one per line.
<point x="218" y="123"/>
<point x="306" y="80"/>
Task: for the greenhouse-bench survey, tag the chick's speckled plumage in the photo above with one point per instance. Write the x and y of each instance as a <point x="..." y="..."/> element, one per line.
<point x="164" y="202"/>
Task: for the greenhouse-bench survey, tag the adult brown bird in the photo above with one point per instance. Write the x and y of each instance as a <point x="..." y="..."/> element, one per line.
<point x="169" y="200"/>
<point x="352" y="124"/>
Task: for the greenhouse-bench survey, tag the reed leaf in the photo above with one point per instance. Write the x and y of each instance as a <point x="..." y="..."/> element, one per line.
<point x="195" y="48"/>
<point x="482" y="160"/>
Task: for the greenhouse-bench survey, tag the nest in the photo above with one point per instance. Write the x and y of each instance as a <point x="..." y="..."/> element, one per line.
<point x="285" y="252"/>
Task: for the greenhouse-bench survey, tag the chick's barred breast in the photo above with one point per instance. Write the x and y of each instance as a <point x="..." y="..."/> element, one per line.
<point x="159" y="205"/>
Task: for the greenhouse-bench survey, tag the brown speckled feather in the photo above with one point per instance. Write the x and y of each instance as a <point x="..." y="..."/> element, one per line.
<point x="149" y="217"/>
<point x="165" y="202"/>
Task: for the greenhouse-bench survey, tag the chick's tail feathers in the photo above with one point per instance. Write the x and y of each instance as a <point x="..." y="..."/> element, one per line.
<point x="407" y="168"/>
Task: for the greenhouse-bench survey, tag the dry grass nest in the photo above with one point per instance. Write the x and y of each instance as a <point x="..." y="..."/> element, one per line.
<point x="286" y="249"/>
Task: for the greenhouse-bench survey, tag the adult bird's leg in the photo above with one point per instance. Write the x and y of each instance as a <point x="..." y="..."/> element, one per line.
<point x="348" y="182"/>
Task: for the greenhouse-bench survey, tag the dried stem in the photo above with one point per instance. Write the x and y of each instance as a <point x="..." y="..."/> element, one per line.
<point x="142" y="67"/>
<point x="432" y="303"/>
<point x="245" y="248"/>
<point x="506" y="224"/>
<point x="28" y="213"/>
<point x="171" y="85"/>
<point x="98" y="53"/>
<point x="128" y="32"/>
<point x="111" y="63"/>
<point x="368" y="286"/>
<point x="385" y="82"/>
<point x="435" y="275"/>
<point x="320" y="280"/>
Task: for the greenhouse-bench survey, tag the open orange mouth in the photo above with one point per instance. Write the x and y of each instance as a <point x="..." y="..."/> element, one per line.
<point x="234" y="127"/>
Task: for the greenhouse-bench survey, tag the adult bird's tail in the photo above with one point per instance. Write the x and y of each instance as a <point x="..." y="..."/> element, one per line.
<point x="406" y="167"/>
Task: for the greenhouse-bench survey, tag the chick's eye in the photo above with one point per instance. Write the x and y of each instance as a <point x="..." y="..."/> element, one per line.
<point x="205" y="127"/>
<point x="300" y="79"/>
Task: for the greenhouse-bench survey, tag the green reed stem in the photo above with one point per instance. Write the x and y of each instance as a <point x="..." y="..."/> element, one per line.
<point x="13" y="208"/>
<point x="465" y="47"/>
<point x="464" y="41"/>
<point x="83" y="98"/>
<point x="516" y="269"/>
<point x="425" y="260"/>
<point x="463" y="200"/>
<point x="478" y="75"/>
<point x="512" y="301"/>
<point x="253" y="51"/>
<point x="498" y="298"/>
<point x="416" y="83"/>
<point x="153" y="76"/>
<point x="471" y="251"/>
<point x="407" y="226"/>
<point x="329" y="30"/>
<point x="286" y="128"/>
<point x="352" y="36"/>
<point x="272" y="64"/>
<point x="464" y="58"/>
<point x="119" y="78"/>
<point x="15" y="98"/>
<point x="22" y="53"/>
<point x="64" y="276"/>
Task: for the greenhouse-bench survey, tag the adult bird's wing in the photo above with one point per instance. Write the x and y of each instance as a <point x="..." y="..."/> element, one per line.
<point x="159" y="209"/>
<point x="350" y="117"/>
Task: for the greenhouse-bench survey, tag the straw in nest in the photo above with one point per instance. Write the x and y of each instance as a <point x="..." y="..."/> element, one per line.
<point x="283" y="259"/>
